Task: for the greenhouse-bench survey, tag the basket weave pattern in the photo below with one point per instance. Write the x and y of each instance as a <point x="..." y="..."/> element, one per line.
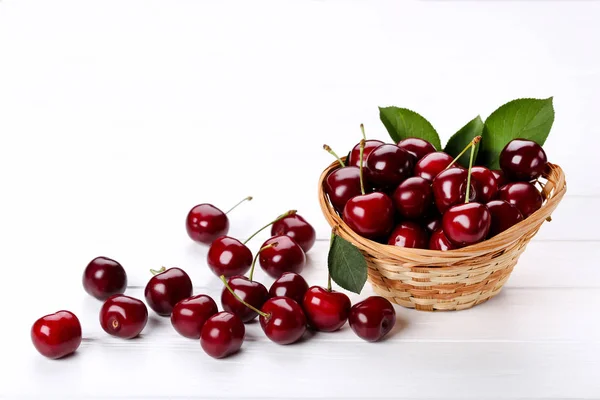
<point x="432" y="280"/>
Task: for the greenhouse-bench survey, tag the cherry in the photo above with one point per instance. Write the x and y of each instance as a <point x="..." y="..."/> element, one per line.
<point x="523" y="195"/>
<point x="467" y="224"/>
<point x="326" y="309"/>
<point x="388" y="165"/>
<point x="298" y="229"/>
<point x="484" y="183"/>
<point x="439" y="241"/>
<point x="166" y="288"/>
<point x="123" y="316"/>
<point x="286" y="256"/>
<point x="289" y="285"/>
<point x="372" y="318"/>
<point x="190" y="315"/>
<point x="450" y="188"/>
<point x="500" y="177"/>
<point x="252" y="292"/>
<point x="419" y="148"/>
<point x="523" y="160"/>
<point x="354" y="158"/>
<point x="205" y="222"/>
<point x="432" y="164"/>
<point x="433" y="223"/>
<point x="370" y="215"/>
<point x="409" y="234"/>
<point x="341" y="185"/>
<point x="222" y="335"/>
<point x="504" y="215"/>
<point x="104" y="277"/>
<point x="56" y="335"/>
<point x="413" y="197"/>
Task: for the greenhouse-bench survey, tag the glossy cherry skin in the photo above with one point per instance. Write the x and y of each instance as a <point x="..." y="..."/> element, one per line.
<point x="409" y="234"/>
<point x="56" y="335"/>
<point x="450" y="188"/>
<point x="439" y="241"/>
<point x="166" y="289"/>
<point x="372" y="318"/>
<point x="123" y="316"/>
<point x="104" y="277"/>
<point x="413" y="197"/>
<point x="190" y="315"/>
<point x="467" y="224"/>
<point x="289" y="285"/>
<point x="432" y="164"/>
<point x="500" y="177"/>
<point x="298" y="229"/>
<point x="286" y="256"/>
<point x="523" y="160"/>
<point x="252" y="292"/>
<point x="205" y="223"/>
<point x="222" y="335"/>
<point x="370" y="145"/>
<point x="433" y="223"/>
<point x="325" y="310"/>
<point x="341" y="185"/>
<point x="228" y="256"/>
<point x="419" y="148"/>
<point x="485" y="184"/>
<point x="522" y="195"/>
<point x="388" y="165"/>
<point x="285" y="322"/>
<point x="504" y="215"/>
<point x="370" y="215"/>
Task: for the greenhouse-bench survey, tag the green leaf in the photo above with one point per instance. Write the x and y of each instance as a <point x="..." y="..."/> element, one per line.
<point x="347" y="265"/>
<point x="402" y="123"/>
<point x="522" y="118"/>
<point x="462" y="138"/>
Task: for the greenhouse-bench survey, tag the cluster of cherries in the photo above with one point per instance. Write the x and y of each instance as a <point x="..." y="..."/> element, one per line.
<point x="410" y="195"/>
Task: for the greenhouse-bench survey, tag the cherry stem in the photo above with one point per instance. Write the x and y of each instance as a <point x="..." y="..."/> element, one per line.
<point x="156" y="272"/>
<point x="282" y="216"/>
<point x="471" y="145"/>
<point x="243" y="200"/>
<point x="360" y="171"/>
<point x="362" y="129"/>
<point x="256" y="257"/>
<point x="328" y="149"/>
<point x="469" y="174"/>
<point x="256" y="310"/>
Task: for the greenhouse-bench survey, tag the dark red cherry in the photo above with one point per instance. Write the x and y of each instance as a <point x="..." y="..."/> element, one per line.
<point x="190" y="315"/>
<point x="388" y="165"/>
<point x="341" y="185"/>
<point x="104" y="277"/>
<point x="289" y="285"/>
<point x="466" y="224"/>
<point x="372" y="318"/>
<point x="284" y="322"/>
<point x="439" y="241"/>
<point x="409" y="234"/>
<point x="523" y="160"/>
<point x="228" y="256"/>
<point x="500" y="177"/>
<point x="504" y="215"/>
<point x="252" y="292"/>
<point x="370" y="215"/>
<point x="298" y="229"/>
<point x="419" y="148"/>
<point x="205" y="222"/>
<point x="166" y="289"/>
<point x="433" y="223"/>
<point x="522" y="195"/>
<point x="354" y="158"/>
<point x="326" y="310"/>
<point x="123" y="316"/>
<point x="413" y="197"/>
<point x="56" y="335"/>
<point x="222" y="335"/>
<point x="432" y="164"/>
<point x="286" y="256"/>
<point x="485" y="184"/>
<point x="450" y="187"/>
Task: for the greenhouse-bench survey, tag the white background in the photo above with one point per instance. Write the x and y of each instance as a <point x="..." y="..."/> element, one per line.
<point x="116" y="117"/>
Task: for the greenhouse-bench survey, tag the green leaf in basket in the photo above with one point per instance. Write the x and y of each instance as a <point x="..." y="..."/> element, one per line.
<point x="347" y="265"/>
<point x="462" y="138"/>
<point x="522" y="118"/>
<point x="402" y="123"/>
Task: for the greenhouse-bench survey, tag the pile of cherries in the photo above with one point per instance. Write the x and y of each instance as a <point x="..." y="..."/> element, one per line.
<point x="410" y="195"/>
<point x="284" y="311"/>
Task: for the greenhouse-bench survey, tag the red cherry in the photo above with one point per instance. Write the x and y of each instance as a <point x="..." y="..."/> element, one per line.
<point x="252" y="292"/>
<point x="104" y="277"/>
<point x="167" y="288"/>
<point x="433" y="223"/>
<point x="228" y="256"/>
<point x="419" y="148"/>
<point x="289" y="285"/>
<point x="484" y="184"/>
<point x="370" y="215"/>
<point x="413" y="197"/>
<point x="123" y="316"/>
<point x="388" y="165"/>
<point x="370" y="145"/>
<point x="409" y="234"/>
<point x="326" y="310"/>
<point x="523" y="160"/>
<point x="283" y="320"/>
<point x="222" y="335"/>
<point x="205" y="222"/>
<point x="466" y="224"/>
<point x="286" y="256"/>
<point x="432" y="164"/>
<point x="450" y="188"/>
<point x="56" y="335"/>
<point x="439" y="241"/>
<point x="298" y="229"/>
<point x="372" y="318"/>
<point x="190" y="315"/>
<point x="523" y="195"/>
<point x="341" y="185"/>
<point x="500" y="177"/>
<point x="504" y="215"/>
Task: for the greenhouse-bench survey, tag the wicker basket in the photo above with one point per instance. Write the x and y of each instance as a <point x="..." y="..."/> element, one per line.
<point x="431" y="280"/>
